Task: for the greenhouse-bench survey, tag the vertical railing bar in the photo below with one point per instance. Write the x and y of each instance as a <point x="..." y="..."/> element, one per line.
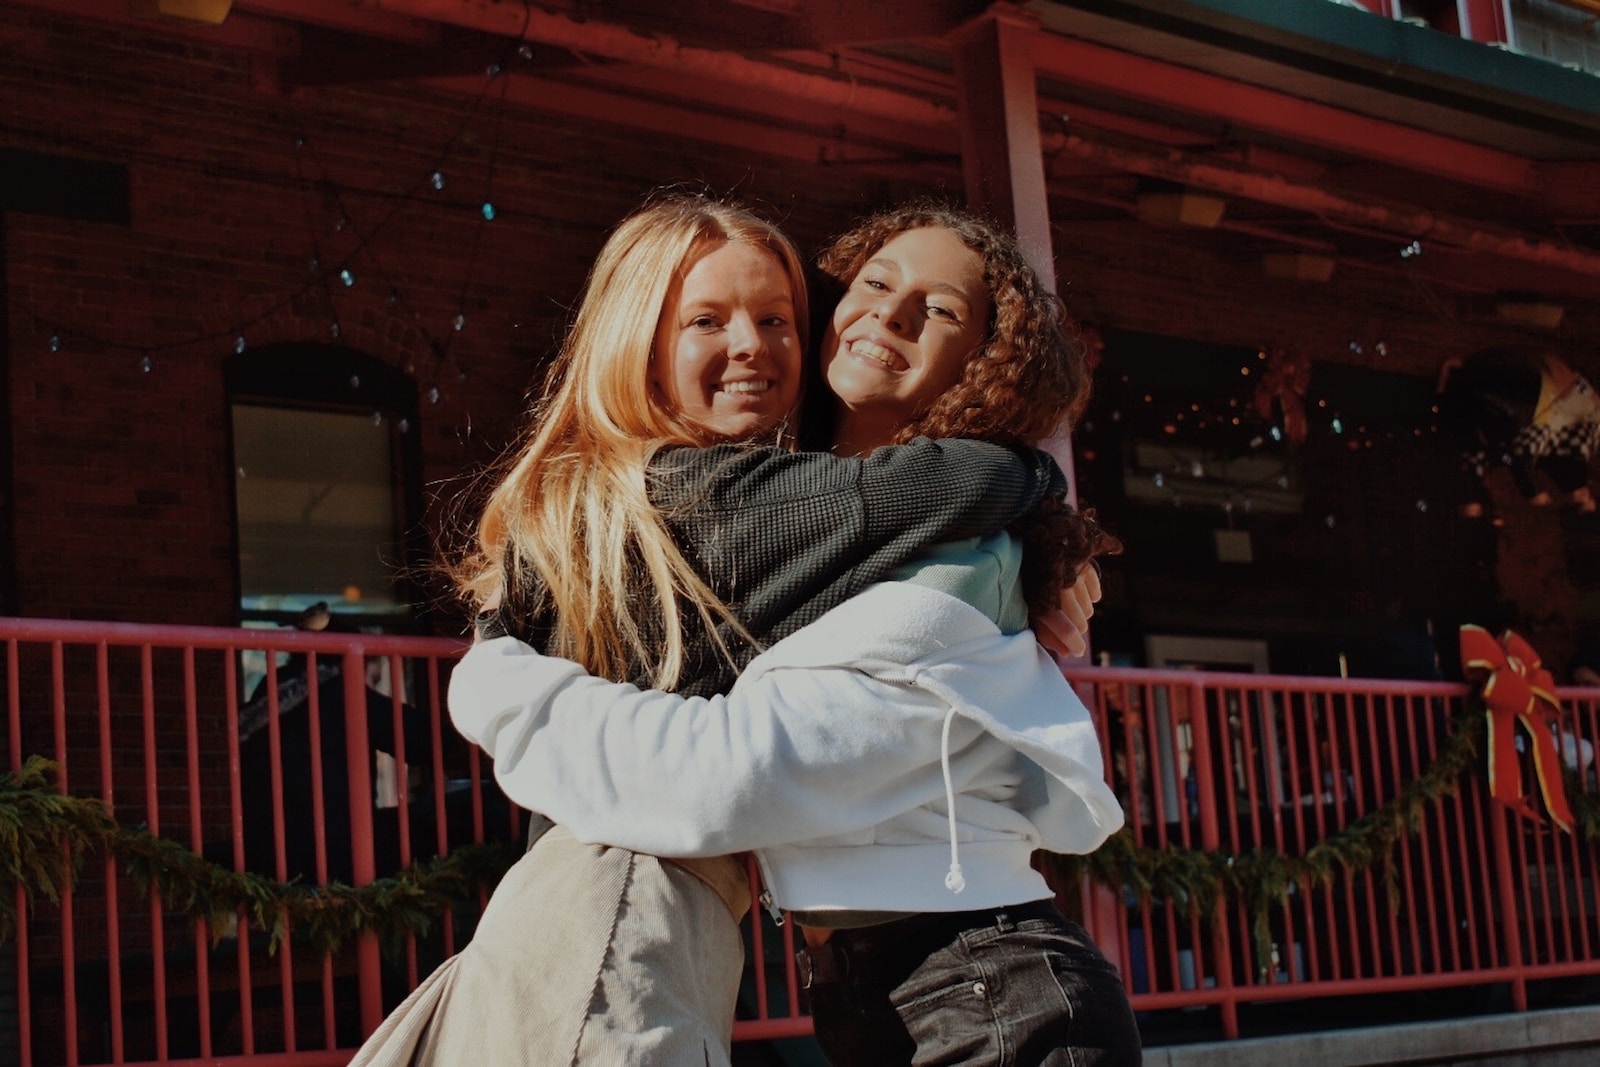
<point x="1509" y="917"/>
<point x="69" y="952"/>
<point x="1527" y="840"/>
<point x="1312" y="956"/>
<point x="1230" y="801"/>
<point x="1210" y="834"/>
<point x="280" y="826"/>
<point x="1319" y="731"/>
<point x="113" y="926"/>
<point x="230" y="676"/>
<point x="1407" y="876"/>
<point x="319" y="844"/>
<point x="319" y="800"/>
<point x="758" y="941"/>
<point x="358" y="749"/>
<point x="152" y="801"/>
<point x="1374" y="923"/>
<point x="1185" y="821"/>
<point x="1360" y="789"/>
<point x="1414" y="711"/>
<point x="402" y="792"/>
<point x="436" y="713"/>
<point x="201" y="926"/>
<point x="20" y="899"/>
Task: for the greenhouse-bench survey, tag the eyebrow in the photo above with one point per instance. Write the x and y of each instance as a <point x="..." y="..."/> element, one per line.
<point x="935" y="286"/>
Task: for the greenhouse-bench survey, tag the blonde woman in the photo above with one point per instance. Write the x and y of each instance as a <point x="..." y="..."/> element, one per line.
<point x="690" y="333"/>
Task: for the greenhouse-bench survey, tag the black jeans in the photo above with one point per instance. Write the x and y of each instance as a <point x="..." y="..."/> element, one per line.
<point x="1015" y="986"/>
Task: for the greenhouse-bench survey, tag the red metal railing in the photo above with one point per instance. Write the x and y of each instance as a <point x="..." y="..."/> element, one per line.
<point x="184" y="731"/>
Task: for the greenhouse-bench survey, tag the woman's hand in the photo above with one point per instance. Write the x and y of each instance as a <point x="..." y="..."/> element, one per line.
<point x="1065" y="630"/>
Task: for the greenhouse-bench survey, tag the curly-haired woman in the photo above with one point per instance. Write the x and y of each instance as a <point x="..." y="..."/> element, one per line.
<point x="864" y="756"/>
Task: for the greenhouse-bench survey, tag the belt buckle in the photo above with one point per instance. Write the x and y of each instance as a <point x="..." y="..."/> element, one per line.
<point x="819" y="965"/>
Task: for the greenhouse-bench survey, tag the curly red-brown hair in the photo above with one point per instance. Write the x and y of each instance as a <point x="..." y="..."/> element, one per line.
<point x="1028" y="376"/>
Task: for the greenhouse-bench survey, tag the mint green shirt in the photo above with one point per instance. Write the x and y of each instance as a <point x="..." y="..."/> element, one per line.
<point x="982" y="571"/>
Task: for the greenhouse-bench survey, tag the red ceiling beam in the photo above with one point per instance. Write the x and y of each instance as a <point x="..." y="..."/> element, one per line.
<point x="247" y="33"/>
<point x="626" y="108"/>
<point x="1403" y="221"/>
<point x="600" y="39"/>
<point x="1153" y="81"/>
<point x="346" y="18"/>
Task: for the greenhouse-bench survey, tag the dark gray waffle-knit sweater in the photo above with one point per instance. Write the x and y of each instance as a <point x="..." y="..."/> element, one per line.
<point x="783" y="537"/>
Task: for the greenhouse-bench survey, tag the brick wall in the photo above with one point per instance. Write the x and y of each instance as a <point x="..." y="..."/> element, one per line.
<point x="122" y="474"/>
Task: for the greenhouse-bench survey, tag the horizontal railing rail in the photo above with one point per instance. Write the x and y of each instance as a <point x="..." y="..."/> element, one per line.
<point x="328" y="757"/>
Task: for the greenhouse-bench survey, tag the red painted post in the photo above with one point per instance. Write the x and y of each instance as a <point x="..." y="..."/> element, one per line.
<point x="1510" y="914"/>
<point x="1211" y="840"/>
<point x="363" y="864"/>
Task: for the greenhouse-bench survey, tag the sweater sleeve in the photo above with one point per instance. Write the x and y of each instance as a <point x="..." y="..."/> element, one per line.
<point x="785" y="537"/>
<point x="797" y="755"/>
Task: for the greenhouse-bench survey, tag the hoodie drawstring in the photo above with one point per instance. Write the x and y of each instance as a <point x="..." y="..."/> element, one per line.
<point x="955" y="881"/>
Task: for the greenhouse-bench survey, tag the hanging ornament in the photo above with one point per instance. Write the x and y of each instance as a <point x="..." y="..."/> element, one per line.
<point x="146" y="364"/>
<point x="355" y="381"/>
<point x="437" y="180"/>
<point x="333" y="329"/>
<point x="347" y="277"/>
<point x="238" y="345"/>
<point x="405" y="425"/>
<point x="458" y="323"/>
<point x="433" y="394"/>
<point x="377" y="418"/>
<point x="488" y="211"/>
<point x="1283" y="385"/>
<point x="55" y="342"/>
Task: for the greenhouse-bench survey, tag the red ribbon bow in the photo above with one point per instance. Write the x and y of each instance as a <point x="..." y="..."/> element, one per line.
<point x="1284" y="382"/>
<point x="1517" y="688"/>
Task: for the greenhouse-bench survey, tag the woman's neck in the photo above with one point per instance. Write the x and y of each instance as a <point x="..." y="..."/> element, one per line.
<point x="857" y="432"/>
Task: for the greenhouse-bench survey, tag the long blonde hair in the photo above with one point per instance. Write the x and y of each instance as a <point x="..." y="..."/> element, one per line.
<point x="572" y="517"/>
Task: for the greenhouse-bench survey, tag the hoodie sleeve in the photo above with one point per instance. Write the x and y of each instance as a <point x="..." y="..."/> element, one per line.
<point x="793" y="756"/>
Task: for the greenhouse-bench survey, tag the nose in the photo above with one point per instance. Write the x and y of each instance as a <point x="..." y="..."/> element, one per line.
<point x="745" y="339"/>
<point x="894" y="311"/>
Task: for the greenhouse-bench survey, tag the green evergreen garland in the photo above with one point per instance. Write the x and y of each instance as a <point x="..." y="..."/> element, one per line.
<point x="44" y="836"/>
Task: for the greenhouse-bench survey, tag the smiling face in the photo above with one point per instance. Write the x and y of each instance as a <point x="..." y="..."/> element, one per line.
<point x="914" y="314"/>
<point x="727" y="352"/>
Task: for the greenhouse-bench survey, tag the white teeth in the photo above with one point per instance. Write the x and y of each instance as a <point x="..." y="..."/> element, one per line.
<point x="875" y="351"/>
<point x="759" y="386"/>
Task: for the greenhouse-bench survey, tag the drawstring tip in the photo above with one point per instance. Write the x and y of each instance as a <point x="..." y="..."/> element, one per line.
<point x="955" y="881"/>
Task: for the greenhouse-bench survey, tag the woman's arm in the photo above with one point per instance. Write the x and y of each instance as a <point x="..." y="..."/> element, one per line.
<point x="785" y="537"/>
<point x="797" y="755"/>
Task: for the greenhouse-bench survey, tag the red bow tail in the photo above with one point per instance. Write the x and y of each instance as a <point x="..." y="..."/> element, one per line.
<point x="1517" y="689"/>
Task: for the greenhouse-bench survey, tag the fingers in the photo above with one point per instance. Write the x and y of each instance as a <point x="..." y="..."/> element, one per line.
<point x="1057" y="632"/>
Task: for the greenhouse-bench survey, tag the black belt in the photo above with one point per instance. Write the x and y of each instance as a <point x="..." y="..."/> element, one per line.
<point x="832" y="960"/>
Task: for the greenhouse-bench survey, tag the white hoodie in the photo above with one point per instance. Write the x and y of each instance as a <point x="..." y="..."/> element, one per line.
<point x="829" y="758"/>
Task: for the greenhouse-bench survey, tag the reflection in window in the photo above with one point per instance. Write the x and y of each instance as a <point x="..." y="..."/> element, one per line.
<point x="317" y="512"/>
